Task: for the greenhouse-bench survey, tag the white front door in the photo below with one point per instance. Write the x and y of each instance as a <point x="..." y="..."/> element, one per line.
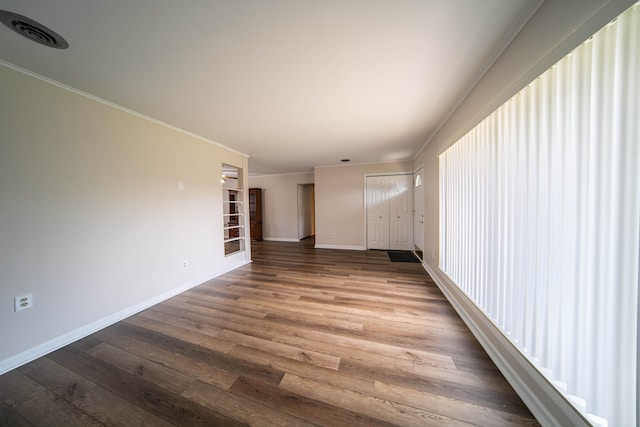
<point x="418" y="206"/>
<point x="377" y="199"/>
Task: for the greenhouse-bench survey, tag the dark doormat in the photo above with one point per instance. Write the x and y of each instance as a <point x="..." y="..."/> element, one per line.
<point x="402" y="256"/>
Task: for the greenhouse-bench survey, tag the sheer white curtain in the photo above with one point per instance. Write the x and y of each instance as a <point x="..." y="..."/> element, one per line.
<point x="540" y="221"/>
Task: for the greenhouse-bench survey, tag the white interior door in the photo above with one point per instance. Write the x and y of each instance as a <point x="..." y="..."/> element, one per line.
<point x="377" y="212"/>
<point x="401" y="212"/>
<point x="418" y="207"/>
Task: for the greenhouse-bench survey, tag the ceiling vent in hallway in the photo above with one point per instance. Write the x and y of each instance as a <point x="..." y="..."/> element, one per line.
<point x="32" y="30"/>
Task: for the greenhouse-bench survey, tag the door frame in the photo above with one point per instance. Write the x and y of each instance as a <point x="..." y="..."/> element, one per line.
<point x="308" y="202"/>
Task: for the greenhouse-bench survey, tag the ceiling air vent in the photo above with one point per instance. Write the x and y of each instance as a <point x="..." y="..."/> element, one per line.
<point x="32" y="30"/>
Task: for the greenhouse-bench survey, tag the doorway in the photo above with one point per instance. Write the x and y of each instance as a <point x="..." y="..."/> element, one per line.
<point x="306" y="211"/>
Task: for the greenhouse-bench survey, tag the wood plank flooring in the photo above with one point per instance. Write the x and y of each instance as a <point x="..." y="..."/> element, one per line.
<point x="301" y="336"/>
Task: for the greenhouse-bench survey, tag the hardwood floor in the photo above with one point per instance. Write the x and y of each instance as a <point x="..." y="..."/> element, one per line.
<point x="299" y="337"/>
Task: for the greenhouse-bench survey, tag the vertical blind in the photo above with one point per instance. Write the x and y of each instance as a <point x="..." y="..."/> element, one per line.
<point x="540" y="221"/>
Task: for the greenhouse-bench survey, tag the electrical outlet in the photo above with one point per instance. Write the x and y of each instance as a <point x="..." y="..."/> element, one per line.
<point x="185" y="264"/>
<point x="433" y="254"/>
<point x="334" y="235"/>
<point x="22" y="302"/>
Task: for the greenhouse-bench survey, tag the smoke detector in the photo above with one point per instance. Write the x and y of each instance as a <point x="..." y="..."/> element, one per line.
<point x="32" y="30"/>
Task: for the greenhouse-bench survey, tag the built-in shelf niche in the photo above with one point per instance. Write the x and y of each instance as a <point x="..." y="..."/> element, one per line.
<point x="233" y="222"/>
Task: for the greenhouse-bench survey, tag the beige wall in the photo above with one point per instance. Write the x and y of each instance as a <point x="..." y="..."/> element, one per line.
<point x="280" y="204"/>
<point x="91" y="219"/>
<point x="340" y="208"/>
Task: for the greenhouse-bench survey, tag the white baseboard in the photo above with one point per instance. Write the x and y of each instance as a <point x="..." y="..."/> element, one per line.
<point x="544" y="401"/>
<point x="280" y="239"/>
<point x="345" y="247"/>
<point x="47" y="347"/>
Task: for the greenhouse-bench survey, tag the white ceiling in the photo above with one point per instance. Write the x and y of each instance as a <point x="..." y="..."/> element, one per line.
<point x="292" y="83"/>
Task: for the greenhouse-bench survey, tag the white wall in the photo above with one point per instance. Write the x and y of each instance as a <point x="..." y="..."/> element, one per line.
<point x="280" y="204"/>
<point x="340" y="206"/>
<point x="91" y="219"/>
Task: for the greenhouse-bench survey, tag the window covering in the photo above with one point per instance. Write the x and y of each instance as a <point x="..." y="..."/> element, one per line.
<point x="540" y="221"/>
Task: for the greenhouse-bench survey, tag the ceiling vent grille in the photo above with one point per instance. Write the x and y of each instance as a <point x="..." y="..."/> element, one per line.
<point x="32" y="30"/>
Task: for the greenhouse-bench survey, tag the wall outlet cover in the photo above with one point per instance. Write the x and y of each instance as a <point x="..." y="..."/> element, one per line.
<point x="22" y="302"/>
